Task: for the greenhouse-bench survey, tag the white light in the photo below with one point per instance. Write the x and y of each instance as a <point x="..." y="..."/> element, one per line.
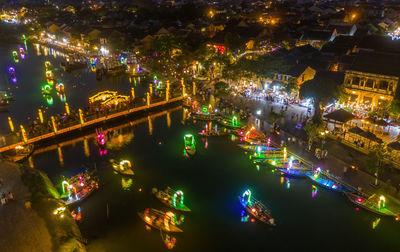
<point x="258" y="112"/>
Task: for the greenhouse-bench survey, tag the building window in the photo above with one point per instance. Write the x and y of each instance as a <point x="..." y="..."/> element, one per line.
<point x="369" y="83"/>
<point x="356" y="81"/>
<point x="348" y="81"/>
<point x="286" y="78"/>
<point x="302" y="78"/>
<point x="383" y="85"/>
<point x="279" y="77"/>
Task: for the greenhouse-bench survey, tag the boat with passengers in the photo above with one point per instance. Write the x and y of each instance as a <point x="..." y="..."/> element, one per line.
<point x="171" y="198"/>
<point x="164" y="221"/>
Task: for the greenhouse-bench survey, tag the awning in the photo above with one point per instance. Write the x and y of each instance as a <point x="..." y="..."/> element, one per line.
<point x="356" y="130"/>
<point x="340" y="115"/>
<point x="394" y="145"/>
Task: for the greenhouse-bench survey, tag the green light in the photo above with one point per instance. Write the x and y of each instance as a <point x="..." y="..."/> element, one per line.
<point x="176" y="195"/>
<point x="234" y="121"/>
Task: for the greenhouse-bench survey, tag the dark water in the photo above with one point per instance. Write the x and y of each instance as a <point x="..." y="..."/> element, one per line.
<point x="211" y="181"/>
<point x="30" y="73"/>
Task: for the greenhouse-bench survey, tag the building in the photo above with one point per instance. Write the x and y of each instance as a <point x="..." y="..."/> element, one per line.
<point x="299" y="73"/>
<point x="372" y="80"/>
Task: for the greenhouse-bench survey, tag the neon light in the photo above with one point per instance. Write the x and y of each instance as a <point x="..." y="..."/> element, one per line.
<point x="180" y="199"/>
<point x="65" y="183"/>
<point x="382" y="202"/>
<point x="247" y="194"/>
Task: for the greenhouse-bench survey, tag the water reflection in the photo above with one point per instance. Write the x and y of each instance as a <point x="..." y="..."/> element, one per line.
<point x="116" y="138"/>
<point x="126" y="183"/>
<point x="314" y="191"/>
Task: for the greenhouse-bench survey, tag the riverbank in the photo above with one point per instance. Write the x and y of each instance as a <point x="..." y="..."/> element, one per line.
<point x="28" y="223"/>
<point x="44" y="199"/>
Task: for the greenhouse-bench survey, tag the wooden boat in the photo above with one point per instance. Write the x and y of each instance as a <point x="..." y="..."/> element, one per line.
<point x="171" y="198"/>
<point x="78" y="187"/>
<point x="123" y="167"/>
<point x="369" y="203"/>
<point x="164" y="221"/>
<point x="73" y="66"/>
<point x="168" y="240"/>
<point x="204" y="117"/>
<point x="256" y="208"/>
<point x="5" y="98"/>
<point x="19" y="153"/>
<point x="329" y="181"/>
<point x="116" y="70"/>
<point x="229" y="123"/>
<point x="295" y="172"/>
<point x="211" y="133"/>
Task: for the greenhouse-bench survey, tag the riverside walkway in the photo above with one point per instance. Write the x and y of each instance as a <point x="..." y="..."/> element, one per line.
<point x="79" y="121"/>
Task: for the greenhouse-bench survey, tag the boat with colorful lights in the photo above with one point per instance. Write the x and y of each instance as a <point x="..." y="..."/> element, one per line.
<point x="371" y="203"/>
<point x="258" y="148"/>
<point x="5" y="98"/>
<point x="329" y="181"/>
<point x="19" y="153"/>
<point x="190" y="146"/>
<point x="101" y="137"/>
<point x="295" y="172"/>
<point x="171" y="198"/>
<point x="164" y="221"/>
<point x="232" y="123"/>
<point x="168" y="240"/>
<point x="123" y="167"/>
<point x="256" y="208"/>
<point x="78" y="187"/>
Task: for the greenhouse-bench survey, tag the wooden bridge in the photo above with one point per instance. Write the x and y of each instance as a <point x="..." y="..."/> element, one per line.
<point x="92" y="123"/>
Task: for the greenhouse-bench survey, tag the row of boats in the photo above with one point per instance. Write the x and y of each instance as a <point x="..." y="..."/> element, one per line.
<point x="295" y="167"/>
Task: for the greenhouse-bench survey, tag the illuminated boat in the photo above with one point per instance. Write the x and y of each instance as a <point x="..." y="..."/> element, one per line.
<point x="232" y="123"/>
<point x="15" y="56"/>
<point x="164" y="221"/>
<point x="211" y="133"/>
<point x="295" y="172"/>
<point x="48" y="66"/>
<point x="256" y="208"/>
<point x="190" y="146"/>
<point x="171" y="198"/>
<point x="123" y="167"/>
<point x="116" y="70"/>
<point x="204" y="117"/>
<point x="329" y="181"/>
<point x="101" y="137"/>
<point x="19" y="153"/>
<point x="168" y="240"/>
<point x="5" y="98"/>
<point x="11" y="70"/>
<point x="370" y="203"/>
<point x="78" y="187"/>
<point x="258" y="148"/>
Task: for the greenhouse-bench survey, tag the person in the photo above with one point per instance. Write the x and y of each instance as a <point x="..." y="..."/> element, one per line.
<point x="10" y="196"/>
<point x="3" y="199"/>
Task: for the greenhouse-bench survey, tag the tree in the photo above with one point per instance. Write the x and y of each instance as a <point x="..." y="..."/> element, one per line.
<point x="375" y="160"/>
<point x="291" y="88"/>
<point x="313" y="132"/>
<point x="394" y="109"/>
<point x="221" y="89"/>
<point x="322" y="90"/>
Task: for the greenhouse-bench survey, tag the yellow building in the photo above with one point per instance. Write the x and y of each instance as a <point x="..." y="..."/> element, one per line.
<point x="371" y="81"/>
<point x="300" y="73"/>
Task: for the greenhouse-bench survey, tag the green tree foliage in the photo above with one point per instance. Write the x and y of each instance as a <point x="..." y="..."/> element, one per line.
<point x="221" y="89"/>
<point x="313" y="131"/>
<point x="376" y="158"/>
<point x="322" y="90"/>
<point x="394" y="109"/>
<point x="262" y="67"/>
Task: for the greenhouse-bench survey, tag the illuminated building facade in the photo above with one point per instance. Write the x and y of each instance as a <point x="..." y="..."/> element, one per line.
<point x="372" y="80"/>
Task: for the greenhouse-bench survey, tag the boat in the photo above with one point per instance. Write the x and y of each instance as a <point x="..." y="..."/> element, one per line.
<point x="123" y="167"/>
<point x="164" y="221"/>
<point x="116" y="70"/>
<point x="295" y="172"/>
<point x="256" y="208"/>
<point x="78" y="187"/>
<point x="232" y="123"/>
<point x="329" y="181"/>
<point x="258" y="148"/>
<point x="5" y="98"/>
<point x="190" y="146"/>
<point x="168" y="240"/>
<point x="204" y="117"/>
<point x="370" y="203"/>
<point x="68" y="67"/>
<point x="211" y="133"/>
<point x="19" y="153"/>
<point x="171" y="198"/>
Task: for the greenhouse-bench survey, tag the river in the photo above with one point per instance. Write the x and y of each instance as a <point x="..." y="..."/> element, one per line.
<point x="211" y="181"/>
